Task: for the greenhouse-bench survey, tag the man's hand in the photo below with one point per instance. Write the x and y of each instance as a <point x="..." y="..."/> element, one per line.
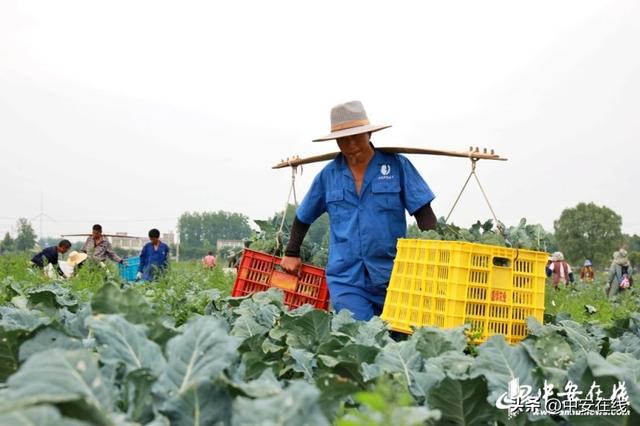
<point x="138" y="276"/>
<point x="291" y="265"/>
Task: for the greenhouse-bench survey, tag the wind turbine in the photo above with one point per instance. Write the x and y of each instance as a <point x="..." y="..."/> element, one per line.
<point x="42" y="215"/>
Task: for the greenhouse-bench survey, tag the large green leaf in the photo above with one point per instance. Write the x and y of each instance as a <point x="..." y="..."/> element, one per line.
<point x="553" y="355"/>
<point x="357" y="354"/>
<point x="15" y="327"/>
<point x="20" y="319"/>
<point x="137" y="397"/>
<point x="454" y="364"/>
<point x="422" y="382"/>
<point x="9" y="343"/>
<point x="343" y="322"/>
<point x="334" y="391"/>
<point x="400" y="357"/>
<point x="20" y="302"/>
<point x="348" y="360"/>
<point x="42" y="415"/>
<point x="627" y="343"/>
<point x="45" y="339"/>
<point x="264" y="386"/>
<point x="304" y="362"/>
<point x="273" y="296"/>
<point x="432" y="341"/>
<point x="296" y="405"/>
<point x="70" y="378"/>
<point x="630" y="367"/>
<point x="306" y="331"/>
<point x="133" y="306"/>
<point x="52" y="296"/>
<point x="264" y="310"/>
<point x="198" y="355"/>
<point x="592" y="368"/>
<point x="123" y="342"/>
<point x="272" y="348"/>
<point x="161" y="330"/>
<point x="130" y="303"/>
<point x="12" y="287"/>
<point x="258" y="354"/>
<point x="499" y="363"/>
<point x="200" y="404"/>
<point x="369" y="333"/>
<point x="332" y="344"/>
<point x="579" y="338"/>
<point x="74" y="322"/>
<point x="300" y="310"/>
<point x="372" y="333"/>
<point x="535" y="328"/>
<point x="246" y="326"/>
<point x="462" y="402"/>
<point x="629" y="363"/>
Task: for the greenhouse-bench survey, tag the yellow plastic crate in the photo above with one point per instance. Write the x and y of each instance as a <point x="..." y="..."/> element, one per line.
<point x="450" y="283"/>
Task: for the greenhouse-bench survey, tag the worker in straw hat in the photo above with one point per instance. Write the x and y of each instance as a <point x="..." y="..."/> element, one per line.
<point x="365" y="192"/>
<point x="74" y="261"/>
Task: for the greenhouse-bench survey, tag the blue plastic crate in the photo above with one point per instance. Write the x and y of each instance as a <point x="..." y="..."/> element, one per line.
<point x="128" y="273"/>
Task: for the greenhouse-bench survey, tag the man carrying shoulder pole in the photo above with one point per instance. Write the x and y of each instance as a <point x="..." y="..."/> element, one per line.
<point x="366" y="193"/>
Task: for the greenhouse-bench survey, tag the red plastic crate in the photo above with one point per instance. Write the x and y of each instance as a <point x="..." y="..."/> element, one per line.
<point x="258" y="272"/>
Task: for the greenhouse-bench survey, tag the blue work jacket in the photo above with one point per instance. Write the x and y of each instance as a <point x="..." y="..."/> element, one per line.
<point x="153" y="261"/>
<point x="365" y="227"/>
<point x="49" y="253"/>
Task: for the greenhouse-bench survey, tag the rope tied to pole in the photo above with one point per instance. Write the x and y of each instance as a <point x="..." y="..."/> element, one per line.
<point x="484" y="194"/>
<point x="292" y="190"/>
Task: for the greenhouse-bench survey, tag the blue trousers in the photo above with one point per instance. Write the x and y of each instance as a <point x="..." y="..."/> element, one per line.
<point x="363" y="302"/>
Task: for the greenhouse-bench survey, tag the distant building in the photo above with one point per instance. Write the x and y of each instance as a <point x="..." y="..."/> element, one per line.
<point x="123" y="241"/>
<point x="229" y="244"/>
<point x="169" y="238"/>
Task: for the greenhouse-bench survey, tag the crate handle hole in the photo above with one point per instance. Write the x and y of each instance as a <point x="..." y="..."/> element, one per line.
<point x="502" y="262"/>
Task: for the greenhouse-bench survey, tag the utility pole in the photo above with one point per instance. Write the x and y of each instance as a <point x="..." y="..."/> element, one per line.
<point x="177" y="246"/>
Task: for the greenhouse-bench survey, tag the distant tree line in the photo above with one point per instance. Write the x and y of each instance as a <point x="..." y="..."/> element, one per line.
<point x="199" y="232"/>
<point x="586" y="231"/>
<point x="25" y="238"/>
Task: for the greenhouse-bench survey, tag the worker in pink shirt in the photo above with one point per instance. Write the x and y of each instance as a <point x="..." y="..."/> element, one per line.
<point x="209" y="261"/>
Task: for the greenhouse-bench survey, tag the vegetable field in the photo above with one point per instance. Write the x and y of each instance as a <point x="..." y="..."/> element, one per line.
<point x="90" y="351"/>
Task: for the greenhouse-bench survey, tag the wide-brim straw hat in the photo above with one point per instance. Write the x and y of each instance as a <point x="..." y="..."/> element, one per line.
<point x="76" y="257"/>
<point x="349" y="119"/>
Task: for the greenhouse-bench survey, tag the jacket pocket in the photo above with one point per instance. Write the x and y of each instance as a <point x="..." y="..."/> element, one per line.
<point x="386" y="195"/>
<point x="336" y="206"/>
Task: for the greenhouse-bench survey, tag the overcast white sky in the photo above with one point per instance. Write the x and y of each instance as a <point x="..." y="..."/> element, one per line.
<point x="129" y="113"/>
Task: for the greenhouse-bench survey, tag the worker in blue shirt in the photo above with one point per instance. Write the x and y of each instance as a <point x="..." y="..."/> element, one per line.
<point x="154" y="258"/>
<point x="50" y="255"/>
<point x="365" y="192"/>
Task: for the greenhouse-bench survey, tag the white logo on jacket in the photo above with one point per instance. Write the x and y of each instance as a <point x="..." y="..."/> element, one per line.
<point x="385" y="169"/>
